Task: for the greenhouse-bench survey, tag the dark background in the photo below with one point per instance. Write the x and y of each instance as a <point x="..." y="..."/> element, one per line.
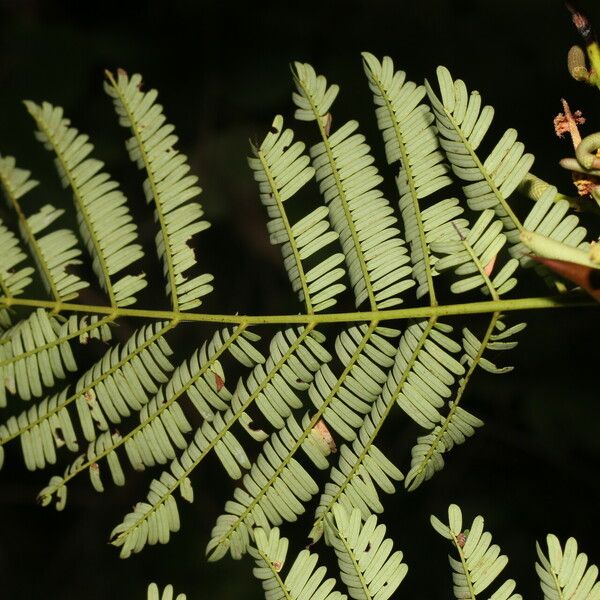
<point x="222" y="70"/>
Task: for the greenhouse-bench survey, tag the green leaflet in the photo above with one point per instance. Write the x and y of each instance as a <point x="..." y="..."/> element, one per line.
<point x="462" y="124"/>
<point x="275" y="489"/>
<point x="564" y="572"/>
<point x="375" y="253"/>
<point x="105" y="224"/>
<point x="106" y="393"/>
<point x="278" y="485"/>
<point x="290" y="361"/>
<point x="164" y="425"/>
<point x="406" y="126"/>
<point x="303" y="581"/>
<point x="281" y="170"/>
<point x="53" y="252"/>
<point x="167" y="594"/>
<point x="34" y="353"/>
<point x="472" y="254"/>
<point x="168" y="185"/>
<point x="480" y="561"/>
<point x="367" y="565"/>
<point x="555" y="221"/>
<point x="12" y="282"/>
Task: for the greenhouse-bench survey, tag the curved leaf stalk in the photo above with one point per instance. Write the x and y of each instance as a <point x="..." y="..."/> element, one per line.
<point x="234" y="417"/>
<point x="73" y="397"/>
<point x="298" y="442"/>
<point x="50" y="490"/>
<point x="534" y="187"/>
<point x="551" y="222"/>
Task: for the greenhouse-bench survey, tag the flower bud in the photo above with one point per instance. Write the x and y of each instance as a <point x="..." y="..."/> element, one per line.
<point x="576" y="64"/>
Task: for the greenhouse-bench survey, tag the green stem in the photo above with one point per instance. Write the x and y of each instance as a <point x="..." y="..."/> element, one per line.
<point x="466" y="571"/>
<point x="280" y="583"/>
<point x="468" y="308"/>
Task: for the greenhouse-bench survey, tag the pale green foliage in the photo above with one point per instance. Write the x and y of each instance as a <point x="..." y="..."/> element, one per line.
<point x="167" y="594"/>
<point x="281" y="170"/>
<point x="106" y="226"/>
<point x="303" y="581"/>
<point x="564" y="572"/>
<point x="168" y="185"/>
<point x="14" y="282"/>
<point x="53" y="252"/>
<point x="367" y="565"/>
<point x="462" y="124"/>
<point x="303" y="395"/>
<point x="405" y="122"/>
<point x="480" y="561"/>
<point x="375" y="254"/>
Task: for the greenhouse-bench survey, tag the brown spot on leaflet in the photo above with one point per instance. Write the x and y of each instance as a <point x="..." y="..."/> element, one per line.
<point x="327" y="123"/>
<point x="219" y="383"/>
<point x="490" y="266"/>
<point x="325" y="434"/>
<point x="277" y="565"/>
